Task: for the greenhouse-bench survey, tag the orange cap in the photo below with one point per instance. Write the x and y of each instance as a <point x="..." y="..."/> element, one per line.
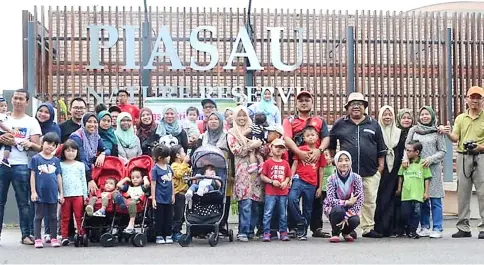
<point x="475" y="90"/>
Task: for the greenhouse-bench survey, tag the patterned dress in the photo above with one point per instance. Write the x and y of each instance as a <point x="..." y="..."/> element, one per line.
<point x="333" y="199"/>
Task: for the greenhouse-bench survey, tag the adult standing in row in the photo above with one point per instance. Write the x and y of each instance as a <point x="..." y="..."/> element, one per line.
<point x="146" y="131"/>
<point x="433" y="152"/>
<point x="129" y="144"/>
<point x="293" y="127"/>
<point x="386" y="198"/>
<point x="124" y="106"/>
<point x="470" y="162"/>
<point x="78" y="108"/>
<point x="106" y="132"/>
<point x="267" y="106"/>
<point x="170" y="130"/>
<point x="27" y="130"/>
<point x="114" y="111"/>
<point x="208" y="106"/>
<point x="361" y="136"/>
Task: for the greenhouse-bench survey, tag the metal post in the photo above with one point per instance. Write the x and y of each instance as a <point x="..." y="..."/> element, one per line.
<point x="31" y="46"/>
<point x="449" y="156"/>
<point x="249" y="74"/>
<point x="145" y="53"/>
<point x="350" y="59"/>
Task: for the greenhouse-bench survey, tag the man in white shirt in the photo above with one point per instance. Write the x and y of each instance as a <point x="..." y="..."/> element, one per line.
<point x="26" y="134"/>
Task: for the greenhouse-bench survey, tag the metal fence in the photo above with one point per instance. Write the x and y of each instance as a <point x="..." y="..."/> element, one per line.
<point x="401" y="59"/>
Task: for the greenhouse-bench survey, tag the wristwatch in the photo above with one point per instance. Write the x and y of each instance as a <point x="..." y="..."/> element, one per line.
<point x="271" y="182"/>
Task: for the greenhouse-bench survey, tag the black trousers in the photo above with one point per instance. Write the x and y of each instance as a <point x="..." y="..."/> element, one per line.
<point x="178" y="212"/>
<point x="317" y="213"/>
<point x="336" y="216"/>
<point x="410" y="215"/>
<point x="45" y="210"/>
<point x="163" y="219"/>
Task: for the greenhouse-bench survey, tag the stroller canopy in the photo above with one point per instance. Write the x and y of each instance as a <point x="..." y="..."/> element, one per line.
<point x="208" y="155"/>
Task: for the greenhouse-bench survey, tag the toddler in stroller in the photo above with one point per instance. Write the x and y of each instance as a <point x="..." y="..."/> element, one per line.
<point x="204" y="186"/>
<point x="105" y="194"/>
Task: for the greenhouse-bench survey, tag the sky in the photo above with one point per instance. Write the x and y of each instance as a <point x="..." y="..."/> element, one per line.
<point x="11" y="20"/>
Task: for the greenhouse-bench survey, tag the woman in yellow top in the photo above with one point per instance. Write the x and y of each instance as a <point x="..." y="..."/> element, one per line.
<point x="181" y="169"/>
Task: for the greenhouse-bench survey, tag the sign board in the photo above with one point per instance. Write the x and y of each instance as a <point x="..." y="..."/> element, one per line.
<point x="182" y="104"/>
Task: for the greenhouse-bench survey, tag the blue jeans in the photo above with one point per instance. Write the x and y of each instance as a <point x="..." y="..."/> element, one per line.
<point x="248" y="216"/>
<point x="301" y="189"/>
<point x="437" y="214"/>
<point x="270" y="203"/>
<point x="19" y="176"/>
<point x="410" y="215"/>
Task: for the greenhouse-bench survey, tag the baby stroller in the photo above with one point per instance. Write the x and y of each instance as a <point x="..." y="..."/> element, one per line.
<point x="204" y="214"/>
<point x="110" y="227"/>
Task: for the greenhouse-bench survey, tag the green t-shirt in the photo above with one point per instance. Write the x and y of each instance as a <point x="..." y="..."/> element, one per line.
<point x="414" y="176"/>
<point x="328" y="171"/>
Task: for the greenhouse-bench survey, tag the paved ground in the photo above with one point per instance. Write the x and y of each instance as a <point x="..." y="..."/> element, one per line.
<point x="424" y="250"/>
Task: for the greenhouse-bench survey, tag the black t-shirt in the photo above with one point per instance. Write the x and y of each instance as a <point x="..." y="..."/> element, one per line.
<point x="67" y="128"/>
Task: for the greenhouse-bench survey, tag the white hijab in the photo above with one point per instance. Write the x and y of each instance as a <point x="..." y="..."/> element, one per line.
<point x="391" y="135"/>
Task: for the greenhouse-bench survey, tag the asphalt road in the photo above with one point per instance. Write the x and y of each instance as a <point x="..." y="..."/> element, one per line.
<point x="315" y="250"/>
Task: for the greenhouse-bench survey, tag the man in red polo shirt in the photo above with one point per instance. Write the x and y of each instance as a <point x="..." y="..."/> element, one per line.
<point x="293" y="127"/>
<point x="123" y="104"/>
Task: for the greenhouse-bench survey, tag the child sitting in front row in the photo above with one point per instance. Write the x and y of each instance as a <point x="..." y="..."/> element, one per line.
<point x="413" y="184"/>
<point x="133" y="192"/>
<point x="204" y="186"/>
<point x="105" y="194"/>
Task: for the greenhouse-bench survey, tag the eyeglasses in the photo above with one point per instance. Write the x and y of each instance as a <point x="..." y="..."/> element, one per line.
<point x="208" y="106"/>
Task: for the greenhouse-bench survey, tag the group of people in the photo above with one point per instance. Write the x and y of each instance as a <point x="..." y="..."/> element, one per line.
<point x="385" y="178"/>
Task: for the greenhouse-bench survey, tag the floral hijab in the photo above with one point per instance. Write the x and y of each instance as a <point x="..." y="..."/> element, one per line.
<point x="89" y="140"/>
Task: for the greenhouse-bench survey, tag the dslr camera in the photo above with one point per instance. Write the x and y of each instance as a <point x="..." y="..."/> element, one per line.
<point x="470" y="145"/>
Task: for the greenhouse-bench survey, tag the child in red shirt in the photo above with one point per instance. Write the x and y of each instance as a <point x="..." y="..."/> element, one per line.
<point x="304" y="184"/>
<point x="276" y="173"/>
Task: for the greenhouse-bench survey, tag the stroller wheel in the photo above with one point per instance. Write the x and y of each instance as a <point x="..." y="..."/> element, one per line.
<point x="185" y="240"/>
<point x="213" y="239"/>
<point x="231" y="235"/>
<point x="85" y="240"/>
<point x="107" y="240"/>
<point x="139" y="240"/>
<point x="78" y="240"/>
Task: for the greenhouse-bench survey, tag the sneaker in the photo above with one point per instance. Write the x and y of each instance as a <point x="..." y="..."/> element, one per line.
<point x="481" y="235"/>
<point x="160" y="240"/>
<point x="266" y="237"/>
<point x="100" y="213"/>
<point x="65" y="242"/>
<point x="284" y="236"/>
<point x="413" y="235"/>
<point x="47" y="239"/>
<point x="435" y="234"/>
<point x="320" y="233"/>
<point x="177" y="236"/>
<point x="89" y="210"/>
<point x="373" y="234"/>
<point x="334" y="239"/>
<point x="461" y="234"/>
<point x="129" y="230"/>
<point x="242" y="238"/>
<point x="38" y="243"/>
<point x="424" y="232"/>
<point x="302" y="237"/>
<point x="292" y="233"/>
<point x="348" y="238"/>
<point x="169" y="240"/>
<point x="28" y="241"/>
<point x="55" y="243"/>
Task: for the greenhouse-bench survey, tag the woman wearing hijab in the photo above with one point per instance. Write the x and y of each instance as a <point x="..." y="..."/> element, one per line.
<point x="248" y="188"/>
<point x="45" y="116"/>
<point x="106" y="132"/>
<point x="344" y="198"/>
<point x="90" y="143"/>
<point x="395" y="145"/>
<point x="129" y="144"/>
<point x="268" y="107"/>
<point x="146" y="131"/>
<point x="170" y="129"/>
<point x="433" y="152"/>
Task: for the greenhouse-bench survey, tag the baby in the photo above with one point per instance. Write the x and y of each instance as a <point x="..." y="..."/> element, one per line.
<point x="257" y="131"/>
<point x="204" y="186"/>
<point x="133" y="192"/>
<point x="191" y="128"/>
<point x="4" y="129"/>
<point x="106" y="194"/>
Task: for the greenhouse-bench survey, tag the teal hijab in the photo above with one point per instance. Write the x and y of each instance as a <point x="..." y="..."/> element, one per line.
<point x="127" y="138"/>
<point x="107" y="136"/>
<point x="267" y="107"/>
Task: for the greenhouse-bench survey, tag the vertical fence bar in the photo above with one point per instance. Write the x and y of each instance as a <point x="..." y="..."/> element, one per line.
<point x="350" y="59"/>
<point x="449" y="156"/>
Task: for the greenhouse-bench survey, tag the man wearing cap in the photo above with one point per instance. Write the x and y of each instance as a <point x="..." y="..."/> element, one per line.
<point x="114" y="111"/>
<point x="123" y="98"/>
<point x="293" y="127"/>
<point x="361" y="136"/>
<point x="468" y="132"/>
<point x="208" y="106"/>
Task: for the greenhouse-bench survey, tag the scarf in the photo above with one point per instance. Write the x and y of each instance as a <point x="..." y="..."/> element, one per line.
<point x="164" y="128"/>
<point x="89" y="140"/>
<point x="391" y="136"/>
<point x="267" y="106"/>
<point x="344" y="182"/>
<point x="145" y="130"/>
<point x="49" y="125"/>
<point x="107" y="136"/>
<point x="237" y="130"/>
<point x="212" y="137"/>
<point x="431" y="127"/>
<point x="400" y="114"/>
<point x="126" y="138"/>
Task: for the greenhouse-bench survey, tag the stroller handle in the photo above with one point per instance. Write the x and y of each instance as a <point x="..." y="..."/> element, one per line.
<point x="203" y="177"/>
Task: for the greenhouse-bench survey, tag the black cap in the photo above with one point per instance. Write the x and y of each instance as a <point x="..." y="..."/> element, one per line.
<point x="2" y="99"/>
<point x="114" y="108"/>
<point x="208" y="100"/>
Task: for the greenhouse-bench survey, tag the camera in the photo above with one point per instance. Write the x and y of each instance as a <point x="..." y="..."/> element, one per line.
<point x="470" y="145"/>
